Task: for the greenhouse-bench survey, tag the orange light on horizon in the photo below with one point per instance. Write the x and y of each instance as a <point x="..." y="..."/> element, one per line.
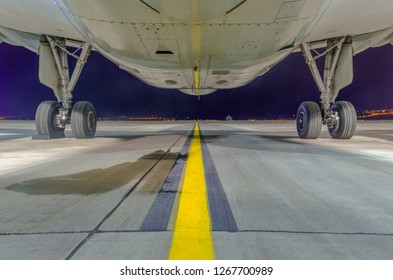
<point x="384" y="112"/>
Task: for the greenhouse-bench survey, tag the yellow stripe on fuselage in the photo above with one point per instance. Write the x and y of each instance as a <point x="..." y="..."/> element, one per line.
<point x="192" y="239"/>
<point x="196" y="80"/>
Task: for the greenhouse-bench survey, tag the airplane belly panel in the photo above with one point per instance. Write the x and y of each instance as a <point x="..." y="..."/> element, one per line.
<point x="37" y="17"/>
<point x="353" y="17"/>
<point x="155" y="41"/>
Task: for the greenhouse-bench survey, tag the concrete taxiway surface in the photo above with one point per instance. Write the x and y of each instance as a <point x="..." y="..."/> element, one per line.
<point x="270" y="194"/>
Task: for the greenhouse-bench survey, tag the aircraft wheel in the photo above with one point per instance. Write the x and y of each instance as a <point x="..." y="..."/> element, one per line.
<point x="347" y="120"/>
<point x="45" y="120"/>
<point x="309" y="120"/>
<point x="83" y="120"/>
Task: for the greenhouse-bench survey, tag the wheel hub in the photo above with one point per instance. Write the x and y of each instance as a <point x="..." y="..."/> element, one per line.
<point x="91" y="121"/>
<point x="301" y="120"/>
<point x="62" y="118"/>
<point x="332" y="120"/>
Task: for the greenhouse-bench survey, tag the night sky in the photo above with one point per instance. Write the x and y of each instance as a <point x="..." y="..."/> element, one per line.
<point x="114" y="92"/>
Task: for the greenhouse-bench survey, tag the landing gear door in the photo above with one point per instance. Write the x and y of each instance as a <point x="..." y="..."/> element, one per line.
<point x="47" y="72"/>
<point x="344" y="72"/>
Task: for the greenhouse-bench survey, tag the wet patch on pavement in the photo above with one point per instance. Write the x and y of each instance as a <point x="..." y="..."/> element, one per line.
<point x="95" y="181"/>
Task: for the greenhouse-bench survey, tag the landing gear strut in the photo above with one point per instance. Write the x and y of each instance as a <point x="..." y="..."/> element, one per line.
<point x="340" y="117"/>
<point x="52" y="117"/>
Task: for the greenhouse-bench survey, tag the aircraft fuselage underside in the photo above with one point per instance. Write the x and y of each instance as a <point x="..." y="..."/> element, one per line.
<point x="197" y="47"/>
<point x="163" y="43"/>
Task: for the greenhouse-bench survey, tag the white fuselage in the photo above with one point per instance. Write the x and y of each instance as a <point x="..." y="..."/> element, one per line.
<point x="197" y="46"/>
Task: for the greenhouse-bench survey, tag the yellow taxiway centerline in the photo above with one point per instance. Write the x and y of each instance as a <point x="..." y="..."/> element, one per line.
<point x="192" y="239"/>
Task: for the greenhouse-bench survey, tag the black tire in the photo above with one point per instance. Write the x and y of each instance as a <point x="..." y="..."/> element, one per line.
<point x="83" y="120"/>
<point x="45" y="120"/>
<point x="309" y="120"/>
<point x="347" y="120"/>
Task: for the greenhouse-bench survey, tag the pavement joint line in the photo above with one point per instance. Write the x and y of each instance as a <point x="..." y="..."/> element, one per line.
<point x="132" y="188"/>
<point x="42" y="233"/>
<point x="213" y="231"/>
<point x="316" y="232"/>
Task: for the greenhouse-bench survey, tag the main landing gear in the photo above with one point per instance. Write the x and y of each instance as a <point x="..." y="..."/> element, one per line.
<point x="339" y="116"/>
<point x="83" y="120"/>
<point x="53" y="116"/>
